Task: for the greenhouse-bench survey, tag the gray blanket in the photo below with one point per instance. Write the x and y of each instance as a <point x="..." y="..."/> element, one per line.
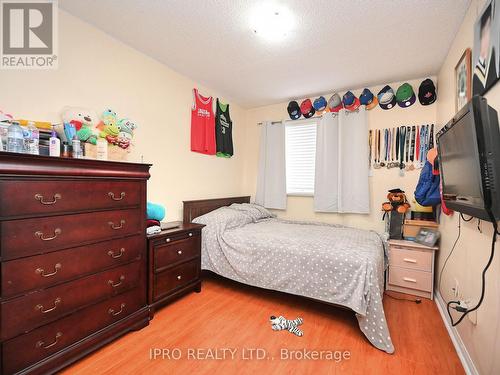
<point x="330" y="263"/>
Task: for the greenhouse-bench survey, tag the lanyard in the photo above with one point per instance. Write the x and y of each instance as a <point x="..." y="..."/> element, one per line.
<point x="370" y="141"/>
<point x="431" y="137"/>
<point x="417" y="145"/>
<point x="402" y="136"/>
<point x="397" y="144"/>
<point x="412" y="144"/>
<point x="408" y="136"/>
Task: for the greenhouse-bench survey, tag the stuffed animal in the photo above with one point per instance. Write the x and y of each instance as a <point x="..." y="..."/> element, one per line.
<point x="396" y="202"/>
<point x="109" y="126"/>
<point x="80" y="121"/>
<point x="281" y="323"/>
<point x="126" y="133"/>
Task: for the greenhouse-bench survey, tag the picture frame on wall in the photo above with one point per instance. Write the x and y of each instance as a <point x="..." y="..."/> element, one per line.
<point x="485" y="53"/>
<point x="463" y="82"/>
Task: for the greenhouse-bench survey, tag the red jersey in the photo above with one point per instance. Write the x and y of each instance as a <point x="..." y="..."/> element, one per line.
<point x="202" y="124"/>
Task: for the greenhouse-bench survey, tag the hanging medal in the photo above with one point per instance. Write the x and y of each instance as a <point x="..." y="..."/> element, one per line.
<point x="376" y="164"/>
<point x="413" y="143"/>
<point x="384" y="149"/>
<point x="402" y="141"/>
<point x="417" y="148"/>
<point x="370" y="144"/>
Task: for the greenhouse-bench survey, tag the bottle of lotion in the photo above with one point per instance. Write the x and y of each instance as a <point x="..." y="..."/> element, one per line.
<point x="54" y="144"/>
<point x="102" y="149"/>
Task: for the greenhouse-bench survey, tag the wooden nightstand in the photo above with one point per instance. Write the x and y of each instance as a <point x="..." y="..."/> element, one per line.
<point x="174" y="262"/>
<point x="411" y="268"/>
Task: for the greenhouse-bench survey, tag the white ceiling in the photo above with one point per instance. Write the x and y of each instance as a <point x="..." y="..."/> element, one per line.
<point x="335" y="44"/>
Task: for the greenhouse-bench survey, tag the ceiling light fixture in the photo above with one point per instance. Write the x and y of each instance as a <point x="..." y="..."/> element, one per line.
<point x="272" y="22"/>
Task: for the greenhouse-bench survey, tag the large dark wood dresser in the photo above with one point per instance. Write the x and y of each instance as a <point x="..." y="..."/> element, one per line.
<point x="73" y="273"/>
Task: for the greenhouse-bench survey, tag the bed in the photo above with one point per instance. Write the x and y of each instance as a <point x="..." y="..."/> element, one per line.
<point x="330" y="263"/>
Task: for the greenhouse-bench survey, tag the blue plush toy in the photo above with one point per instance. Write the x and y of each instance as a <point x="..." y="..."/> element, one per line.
<point x="155" y="211"/>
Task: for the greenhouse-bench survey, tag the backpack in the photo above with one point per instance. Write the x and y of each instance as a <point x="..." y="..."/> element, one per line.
<point x="427" y="191"/>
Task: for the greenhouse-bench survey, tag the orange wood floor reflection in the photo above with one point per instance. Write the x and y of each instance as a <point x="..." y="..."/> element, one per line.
<point x="234" y="316"/>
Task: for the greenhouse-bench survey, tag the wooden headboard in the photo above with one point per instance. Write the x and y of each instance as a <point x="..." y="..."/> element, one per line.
<point x="193" y="209"/>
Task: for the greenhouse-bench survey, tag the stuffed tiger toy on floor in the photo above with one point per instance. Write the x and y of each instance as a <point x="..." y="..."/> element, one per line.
<point x="280" y="323"/>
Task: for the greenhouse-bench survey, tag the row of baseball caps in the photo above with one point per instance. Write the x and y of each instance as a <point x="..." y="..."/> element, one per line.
<point x="386" y="99"/>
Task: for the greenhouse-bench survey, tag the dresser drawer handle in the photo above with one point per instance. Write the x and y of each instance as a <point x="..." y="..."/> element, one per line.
<point x="409" y="280"/>
<point x="410" y="260"/>
<point x="41" y="344"/>
<point x="57" y="232"/>
<point x="116" y="285"/>
<point x="179" y="252"/>
<point x="40" y="307"/>
<point x="39" y="197"/>
<point x="41" y="271"/>
<point x="116" y="227"/>
<point x="190" y="234"/>
<point x="179" y="277"/>
<point x="113" y="255"/>
<point x="167" y="240"/>
<point x="115" y="313"/>
<point x="112" y="196"/>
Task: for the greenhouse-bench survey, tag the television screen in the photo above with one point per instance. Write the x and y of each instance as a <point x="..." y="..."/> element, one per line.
<point x="459" y="157"/>
<point x="469" y="161"/>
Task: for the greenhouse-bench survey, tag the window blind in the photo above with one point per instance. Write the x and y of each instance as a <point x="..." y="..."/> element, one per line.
<point x="300" y="145"/>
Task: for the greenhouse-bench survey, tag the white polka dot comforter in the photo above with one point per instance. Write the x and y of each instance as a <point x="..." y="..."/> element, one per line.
<point x="331" y="263"/>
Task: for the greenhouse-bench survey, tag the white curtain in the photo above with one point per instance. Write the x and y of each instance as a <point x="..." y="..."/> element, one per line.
<point x="341" y="182"/>
<point x="271" y="179"/>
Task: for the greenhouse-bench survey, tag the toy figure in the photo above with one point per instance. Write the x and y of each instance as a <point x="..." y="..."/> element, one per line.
<point x="280" y="323"/>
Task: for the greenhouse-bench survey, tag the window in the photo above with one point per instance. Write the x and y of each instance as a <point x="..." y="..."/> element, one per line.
<point x="300" y="144"/>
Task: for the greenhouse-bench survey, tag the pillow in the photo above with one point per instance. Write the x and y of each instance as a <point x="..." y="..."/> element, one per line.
<point x="254" y="211"/>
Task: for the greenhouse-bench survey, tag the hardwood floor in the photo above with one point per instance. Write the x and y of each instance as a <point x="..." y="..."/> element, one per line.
<point x="234" y="316"/>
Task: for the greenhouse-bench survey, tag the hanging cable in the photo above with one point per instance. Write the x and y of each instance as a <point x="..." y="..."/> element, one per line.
<point x="449" y="255"/>
<point x="464" y="219"/>
<point x="456" y="304"/>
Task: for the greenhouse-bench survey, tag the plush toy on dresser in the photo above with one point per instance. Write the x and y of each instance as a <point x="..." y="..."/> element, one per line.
<point x="81" y="122"/>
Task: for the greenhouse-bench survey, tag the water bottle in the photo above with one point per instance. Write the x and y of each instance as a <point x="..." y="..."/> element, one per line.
<point x="31" y="139"/>
<point x="15" y="138"/>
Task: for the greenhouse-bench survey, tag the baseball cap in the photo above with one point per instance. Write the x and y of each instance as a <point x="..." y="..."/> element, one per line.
<point x="351" y="103"/>
<point x="405" y="96"/>
<point x="386" y="98"/>
<point x="307" y="108"/>
<point x="427" y="92"/>
<point x="335" y="103"/>
<point x="294" y="110"/>
<point x="368" y="99"/>
<point x="319" y="105"/>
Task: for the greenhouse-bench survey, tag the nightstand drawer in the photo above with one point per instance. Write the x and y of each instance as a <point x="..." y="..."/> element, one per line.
<point x="175" y="252"/>
<point x="176" y="277"/>
<point x="408" y="278"/>
<point x="411" y="258"/>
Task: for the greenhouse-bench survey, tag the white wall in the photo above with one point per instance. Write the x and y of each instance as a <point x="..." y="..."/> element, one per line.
<point x="470" y="256"/>
<point x="382" y="180"/>
<point x="97" y="71"/>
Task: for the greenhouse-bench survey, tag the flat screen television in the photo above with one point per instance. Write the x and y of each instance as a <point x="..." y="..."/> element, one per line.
<point x="469" y="161"/>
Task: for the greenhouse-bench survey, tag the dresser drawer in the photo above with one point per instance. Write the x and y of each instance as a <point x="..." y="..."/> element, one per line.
<point x="175" y="252"/>
<point x="25" y="313"/>
<point x="176" y="277"/>
<point x="414" y="259"/>
<point x="48" y="197"/>
<point x="42" y="271"/>
<point x="26" y="237"/>
<point x="29" y="348"/>
<point x="408" y="278"/>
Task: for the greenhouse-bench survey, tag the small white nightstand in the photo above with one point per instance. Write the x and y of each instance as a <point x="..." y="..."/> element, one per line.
<point x="411" y="268"/>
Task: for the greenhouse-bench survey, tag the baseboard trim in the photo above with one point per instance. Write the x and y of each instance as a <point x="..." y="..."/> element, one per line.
<point x="463" y="354"/>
